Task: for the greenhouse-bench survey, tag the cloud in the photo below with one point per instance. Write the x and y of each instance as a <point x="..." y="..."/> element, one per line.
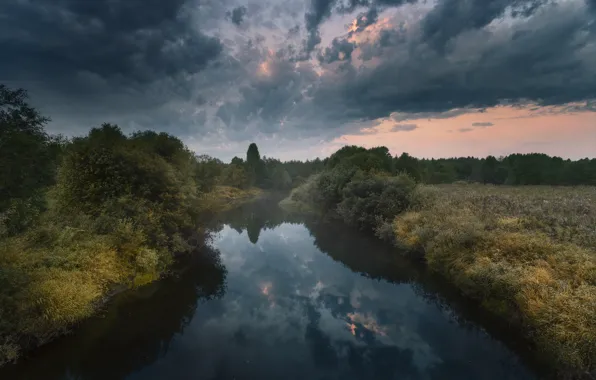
<point x="237" y="14"/>
<point x="482" y="124"/>
<point x="120" y="42"/>
<point x="340" y="50"/>
<point x="321" y="10"/>
<point x="450" y="18"/>
<point x="464" y="130"/>
<point x="182" y="66"/>
<point x="404" y="127"/>
<point x="365" y="19"/>
<point x="88" y="62"/>
<point x="546" y="59"/>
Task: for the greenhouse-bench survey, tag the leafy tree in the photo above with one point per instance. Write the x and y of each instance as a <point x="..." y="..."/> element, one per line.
<point x="106" y="165"/>
<point x="281" y="179"/>
<point x="237" y="161"/>
<point x="254" y="165"/>
<point x="368" y="200"/>
<point x="253" y="156"/>
<point x="342" y="154"/>
<point x="409" y="165"/>
<point x="330" y="185"/>
<point x="26" y="162"/>
<point x="235" y="176"/>
<point x="207" y="170"/>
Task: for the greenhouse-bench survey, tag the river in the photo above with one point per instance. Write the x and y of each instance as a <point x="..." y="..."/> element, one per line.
<point x="280" y="296"/>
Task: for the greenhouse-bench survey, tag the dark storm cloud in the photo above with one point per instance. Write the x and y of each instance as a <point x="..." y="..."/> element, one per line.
<point x="546" y="59"/>
<point x="320" y="10"/>
<point x="452" y="17"/>
<point x="237" y="14"/>
<point x="152" y="64"/>
<point x="124" y="42"/>
<point x="404" y="127"/>
<point x="340" y="50"/>
<point x="103" y="59"/>
<point x="482" y="124"/>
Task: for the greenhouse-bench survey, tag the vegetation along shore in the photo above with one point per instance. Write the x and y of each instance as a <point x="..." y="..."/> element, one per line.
<point x="83" y="217"/>
<point x="526" y="253"/>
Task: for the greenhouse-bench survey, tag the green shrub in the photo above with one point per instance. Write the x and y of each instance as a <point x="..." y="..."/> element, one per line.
<point x="235" y="175"/>
<point x="330" y="185"/>
<point x="368" y="201"/>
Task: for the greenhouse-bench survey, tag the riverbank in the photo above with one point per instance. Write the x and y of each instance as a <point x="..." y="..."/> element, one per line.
<point x="527" y="254"/>
<point x="224" y="198"/>
<point x="56" y="275"/>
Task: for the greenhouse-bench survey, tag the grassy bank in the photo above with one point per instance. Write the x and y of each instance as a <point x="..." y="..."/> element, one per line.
<point x="528" y="254"/>
<point x="61" y="272"/>
<point x="224" y="198"/>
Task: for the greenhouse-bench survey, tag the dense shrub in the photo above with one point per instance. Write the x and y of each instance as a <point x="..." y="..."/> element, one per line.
<point x="330" y="185"/>
<point x="207" y="171"/>
<point x="369" y="200"/>
<point x="235" y="175"/>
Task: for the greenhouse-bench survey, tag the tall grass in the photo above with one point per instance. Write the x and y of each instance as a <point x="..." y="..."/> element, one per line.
<point x="527" y="254"/>
<point x="61" y="271"/>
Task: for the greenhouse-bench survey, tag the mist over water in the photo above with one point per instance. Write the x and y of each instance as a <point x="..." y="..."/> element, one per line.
<point x="283" y="297"/>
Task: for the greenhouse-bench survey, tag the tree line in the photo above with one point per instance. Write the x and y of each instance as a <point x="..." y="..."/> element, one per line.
<point x="514" y="169"/>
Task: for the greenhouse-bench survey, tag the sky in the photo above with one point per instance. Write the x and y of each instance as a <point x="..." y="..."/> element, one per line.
<point x="301" y="78"/>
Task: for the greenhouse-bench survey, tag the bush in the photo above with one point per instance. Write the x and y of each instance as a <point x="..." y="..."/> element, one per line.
<point x="369" y="201"/>
<point x="236" y="176"/>
<point x="330" y="185"/>
<point x="305" y="197"/>
<point x="21" y="213"/>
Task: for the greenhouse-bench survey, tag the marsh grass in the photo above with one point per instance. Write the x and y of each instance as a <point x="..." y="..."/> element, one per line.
<point x="527" y="254"/>
<point x="227" y="197"/>
<point x="62" y="270"/>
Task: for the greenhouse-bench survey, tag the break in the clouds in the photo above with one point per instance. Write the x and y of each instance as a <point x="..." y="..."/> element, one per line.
<point x="217" y="73"/>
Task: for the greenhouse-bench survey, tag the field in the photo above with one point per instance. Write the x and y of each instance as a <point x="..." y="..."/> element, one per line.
<point x="527" y="254"/>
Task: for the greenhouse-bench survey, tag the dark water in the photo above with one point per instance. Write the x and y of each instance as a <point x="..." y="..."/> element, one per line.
<point x="285" y="298"/>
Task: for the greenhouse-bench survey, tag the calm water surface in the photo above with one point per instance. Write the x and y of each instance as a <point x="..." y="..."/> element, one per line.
<point x="283" y="298"/>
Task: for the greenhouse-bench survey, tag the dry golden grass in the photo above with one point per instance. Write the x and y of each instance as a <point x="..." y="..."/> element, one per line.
<point x="527" y="253"/>
<point x="51" y="284"/>
<point x="226" y="197"/>
<point x="54" y="276"/>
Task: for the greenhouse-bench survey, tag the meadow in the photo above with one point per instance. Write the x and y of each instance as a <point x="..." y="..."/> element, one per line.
<point x="527" y="253"/>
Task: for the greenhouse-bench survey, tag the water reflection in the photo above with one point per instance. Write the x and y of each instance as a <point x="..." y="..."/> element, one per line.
<point x="135" y="330"/>
<point x="302" y="299"/>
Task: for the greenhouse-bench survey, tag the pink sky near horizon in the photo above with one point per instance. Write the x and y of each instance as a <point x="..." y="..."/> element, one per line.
<point x="570" y="135"/>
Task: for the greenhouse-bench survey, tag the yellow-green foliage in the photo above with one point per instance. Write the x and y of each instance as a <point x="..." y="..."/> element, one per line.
<point x="226" y="197"/>
<point x="119" y="211"/>
<point x="303" y="197"/>
<point x="527" y="253"/>
<point x="51" y="279"/>
<point x="58" y="273"/>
